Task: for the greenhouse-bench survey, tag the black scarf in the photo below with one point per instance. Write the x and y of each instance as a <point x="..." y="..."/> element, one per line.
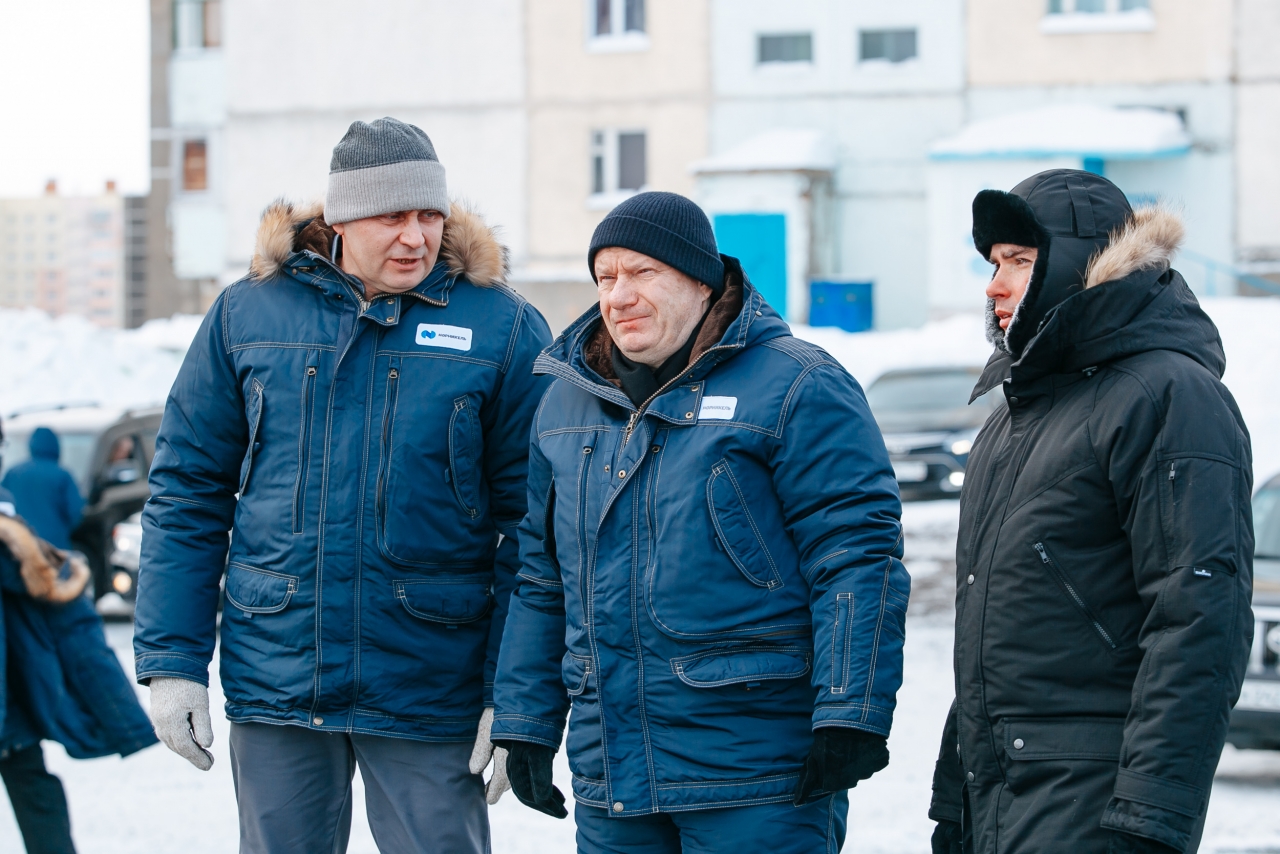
<point x="641" y="382"/>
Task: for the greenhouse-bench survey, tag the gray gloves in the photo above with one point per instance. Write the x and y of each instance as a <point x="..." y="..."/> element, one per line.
<point x="180" y="714"/>
<point x="480" y="756"/>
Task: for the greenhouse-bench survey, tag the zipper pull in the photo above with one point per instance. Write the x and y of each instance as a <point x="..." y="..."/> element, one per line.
<point x="311" y="372"/>
<point x="395" y="374"/>
<point x="1044" y="555"/>
<point x="631" y="426"/>
<point x="1171" y="465"/>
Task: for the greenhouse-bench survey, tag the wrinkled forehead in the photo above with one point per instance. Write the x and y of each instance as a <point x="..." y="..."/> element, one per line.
<point x="1009" y="251"/>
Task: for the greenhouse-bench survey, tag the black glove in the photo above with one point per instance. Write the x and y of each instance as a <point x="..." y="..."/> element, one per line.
<point x="1127" y="843"/>
<point x="947" y="838"/>
<point x="839" y="758"/>
<point x="529" y="770"/>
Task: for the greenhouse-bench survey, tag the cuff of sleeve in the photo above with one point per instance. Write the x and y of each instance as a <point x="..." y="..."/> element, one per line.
<point x="513" y="727"/>
<point x="149" y="665"/>
<point x="853" y="716"/>
<point x="1155" y="808"/>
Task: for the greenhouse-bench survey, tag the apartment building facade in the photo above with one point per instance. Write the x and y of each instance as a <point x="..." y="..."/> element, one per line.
<point x="65" y="254"/>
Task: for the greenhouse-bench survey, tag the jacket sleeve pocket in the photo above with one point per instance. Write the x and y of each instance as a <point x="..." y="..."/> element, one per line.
<point x="734" y="666"/>
<point x="576" y="670"/>
<point x="259" y="591"/>
<point x="253" y="414"/>
<point x="841" y="640"/>
<point x="451" y="600"/>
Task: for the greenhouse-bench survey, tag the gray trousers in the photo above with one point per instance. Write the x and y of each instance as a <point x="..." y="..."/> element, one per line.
<point x="293" y="788"/>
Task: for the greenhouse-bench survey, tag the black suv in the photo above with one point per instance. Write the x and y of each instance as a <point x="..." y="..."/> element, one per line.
<point x="1255" y="721"/>
<point x="108" y="452"/>
<point x="929" y="426"/>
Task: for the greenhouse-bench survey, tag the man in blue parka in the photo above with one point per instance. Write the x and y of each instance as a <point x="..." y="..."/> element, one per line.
<point x="710" y="575"/>
<point x="356" y="412"/>
<point x="44" y="493"/>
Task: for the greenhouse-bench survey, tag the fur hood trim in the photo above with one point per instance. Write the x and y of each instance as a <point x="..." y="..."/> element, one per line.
<point x="1148" y="241"/>
<point x="40" y="564"/>
<point x="470" y="248"/>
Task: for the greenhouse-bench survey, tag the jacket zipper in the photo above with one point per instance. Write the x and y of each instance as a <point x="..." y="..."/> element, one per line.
<point x="1075" y="596"/>
<point x="384" y="464"/>
<point x="304" y="450"/>
<point x="683" y="375"/>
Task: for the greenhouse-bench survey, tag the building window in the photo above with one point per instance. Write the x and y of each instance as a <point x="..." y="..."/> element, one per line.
<point x="887" y="45"/>
<point x="619" y="166"/>
<point x="616" y="26"/>
<point x="617" y="17"/>
<point x="788" y="47"/>
<point x="1097" y="16"/>
<point x="195" y="165"/>
<point x="197" y="24"/>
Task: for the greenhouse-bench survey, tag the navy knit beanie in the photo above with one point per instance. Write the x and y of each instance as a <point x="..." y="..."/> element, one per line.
<point x="667" y="227"/>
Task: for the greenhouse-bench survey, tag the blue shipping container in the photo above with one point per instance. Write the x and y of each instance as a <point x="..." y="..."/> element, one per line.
<point x="845" y="305"/>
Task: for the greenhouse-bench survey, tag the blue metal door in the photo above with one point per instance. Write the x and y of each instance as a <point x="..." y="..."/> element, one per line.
<point x="759" y="241"/>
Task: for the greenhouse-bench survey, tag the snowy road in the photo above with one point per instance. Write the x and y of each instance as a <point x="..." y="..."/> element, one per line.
<point x="154" y="802"/>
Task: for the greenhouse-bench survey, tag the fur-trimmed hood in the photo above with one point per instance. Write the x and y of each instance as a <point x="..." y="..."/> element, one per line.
<point x="40" y="564"/>
<point x="470" y="248"/>
<point x="1147" y="241"/>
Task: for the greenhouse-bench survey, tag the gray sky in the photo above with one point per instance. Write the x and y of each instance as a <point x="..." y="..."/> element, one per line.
<point x="73" y="95"/>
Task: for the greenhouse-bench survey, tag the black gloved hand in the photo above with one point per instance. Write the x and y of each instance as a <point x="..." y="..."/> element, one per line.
<point x="839" y="758"/>
<point x="529" y="770"/>
<point x="1127" y="843"/>
<point x="947" y="838"/>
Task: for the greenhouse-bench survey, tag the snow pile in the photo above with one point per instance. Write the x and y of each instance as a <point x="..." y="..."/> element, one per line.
<point x="45" y="360"/>
<point x="1080" y="129"/>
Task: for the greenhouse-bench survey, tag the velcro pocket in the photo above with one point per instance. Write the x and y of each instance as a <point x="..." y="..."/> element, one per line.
<point x="1032" y="739"/>
<point x="448" y="599"/>
<point x="259" y="591"/>
<point x="1157" y="792"/>
<point x="575" y="670"/>
<point x="750" y="664"/>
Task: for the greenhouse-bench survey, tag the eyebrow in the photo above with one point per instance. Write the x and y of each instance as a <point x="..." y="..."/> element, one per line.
<point x="1015" y="252"/>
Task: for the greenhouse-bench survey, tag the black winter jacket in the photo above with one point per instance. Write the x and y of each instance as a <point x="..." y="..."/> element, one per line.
<point x="1104" y="571"/>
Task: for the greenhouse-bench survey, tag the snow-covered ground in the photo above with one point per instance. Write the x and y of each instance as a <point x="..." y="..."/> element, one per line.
<point x="155" y="802"/>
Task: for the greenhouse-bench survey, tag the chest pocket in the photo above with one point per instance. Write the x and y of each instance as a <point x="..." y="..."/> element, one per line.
<point x="737" y="533"/>
<point x="253" y="414"/>
<point x="464" y="463"/>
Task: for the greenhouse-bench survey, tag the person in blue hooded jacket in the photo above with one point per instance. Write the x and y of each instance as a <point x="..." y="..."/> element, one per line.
<point x="356" y="412"/>
<point x="710" y="582"/>
<point x="44" y="493"/>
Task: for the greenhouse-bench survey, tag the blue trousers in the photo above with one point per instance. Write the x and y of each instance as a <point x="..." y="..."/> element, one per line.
<point x="816" y="828"/>
<point x="293" y="790"/>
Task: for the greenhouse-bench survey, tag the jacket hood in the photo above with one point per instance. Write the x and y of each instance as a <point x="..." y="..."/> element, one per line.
<point x="740" y="318"/>
<point x="469" y="249"/>
<point x="1130" y="301"/>
<point x="44" y="444"/>
<point x="1069" y="216"/>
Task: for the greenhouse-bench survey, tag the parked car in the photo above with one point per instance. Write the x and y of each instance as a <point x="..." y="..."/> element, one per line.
<point x="122" y="568"/>
<point x="1255" y="721"/>
<point x="108" y="452"/>
<point x="929" y="425"/>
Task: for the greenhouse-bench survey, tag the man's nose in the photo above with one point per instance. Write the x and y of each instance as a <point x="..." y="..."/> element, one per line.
<point x="996" y="288"/>
<point x="411" y="235"/>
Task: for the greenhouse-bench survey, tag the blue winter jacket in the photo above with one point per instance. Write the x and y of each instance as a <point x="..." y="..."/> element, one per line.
<point x="705" y="581"/>
<point x="45" y="494"/>
<point x="58" y="677"/>
<point x="379" y="451"/>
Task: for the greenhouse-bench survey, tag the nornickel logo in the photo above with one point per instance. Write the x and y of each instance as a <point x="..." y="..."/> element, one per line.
<point x="449" y="337"/>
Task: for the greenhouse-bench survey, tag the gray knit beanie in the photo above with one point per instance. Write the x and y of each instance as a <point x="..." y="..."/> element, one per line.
<point x="383" y="167"/>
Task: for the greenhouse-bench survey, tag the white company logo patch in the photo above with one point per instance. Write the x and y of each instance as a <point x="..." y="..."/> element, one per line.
<point x="721" y="408"/>
<point x="453" y="337"/>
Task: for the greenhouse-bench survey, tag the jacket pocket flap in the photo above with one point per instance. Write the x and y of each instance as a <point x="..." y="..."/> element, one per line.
<point x="731" y="666"/>
<point x="575" y="669"/>
<point x="1029" y="739"/>
<point x="259" y="591"/>
<point x="448" y="599"/>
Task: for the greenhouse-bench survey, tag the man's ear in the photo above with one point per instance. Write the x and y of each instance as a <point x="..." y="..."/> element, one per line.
<point x="339" y="227"/>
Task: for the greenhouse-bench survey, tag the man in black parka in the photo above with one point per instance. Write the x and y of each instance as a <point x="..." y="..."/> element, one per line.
<point x="1104" y="563"/>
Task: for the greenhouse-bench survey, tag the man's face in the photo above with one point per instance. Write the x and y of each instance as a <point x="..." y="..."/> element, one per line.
<point x="1009" y="284"/>
<point x="391" y="253"/>
<point x="650" y="309"/>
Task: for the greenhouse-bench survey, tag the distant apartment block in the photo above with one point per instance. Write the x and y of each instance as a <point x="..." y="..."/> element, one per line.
<point x="65" y="254"/>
